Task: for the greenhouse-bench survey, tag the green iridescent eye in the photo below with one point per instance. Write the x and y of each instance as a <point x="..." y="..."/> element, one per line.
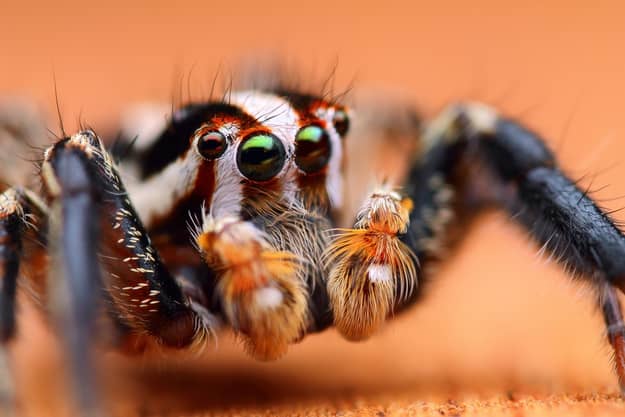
<point x="260" y="156"/>
<point x="312" y="148"/>
<point x="341" y="122"/>
<point x="212" y="144"/>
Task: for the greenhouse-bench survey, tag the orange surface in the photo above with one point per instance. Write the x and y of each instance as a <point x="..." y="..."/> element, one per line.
<point x="502" y="330"/>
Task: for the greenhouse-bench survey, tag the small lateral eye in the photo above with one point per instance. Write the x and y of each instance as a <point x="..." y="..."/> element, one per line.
<point x="312" y="148"/>
<point x="341" y="122"/>
<point x="260" y="156"/>
<point x="211" y="144"/>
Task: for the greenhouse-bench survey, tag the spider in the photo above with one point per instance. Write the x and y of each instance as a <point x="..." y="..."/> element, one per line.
<point x="227" y="217"/>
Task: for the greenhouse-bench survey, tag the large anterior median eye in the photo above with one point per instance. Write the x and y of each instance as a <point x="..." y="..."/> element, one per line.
<point x="260" y="156"/>
<point x="211" y="144"/>
<point x="312" y="148"/>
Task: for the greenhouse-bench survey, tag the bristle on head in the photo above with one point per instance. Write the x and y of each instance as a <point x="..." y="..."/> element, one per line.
<point x="371" y="269"/>
<point x="262" y="296"/>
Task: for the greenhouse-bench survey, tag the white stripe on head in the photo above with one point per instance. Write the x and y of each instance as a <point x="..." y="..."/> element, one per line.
<point x="157" y="196"/>
<point x="334" y="176"/>
<point x="227" y="196"/>
<point x="272" y="112"/>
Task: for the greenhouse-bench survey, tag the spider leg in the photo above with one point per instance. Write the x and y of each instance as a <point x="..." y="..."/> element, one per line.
<point x="487" y="160"/>
<point x="21" y="214"/>
<point x="88" y="197"/>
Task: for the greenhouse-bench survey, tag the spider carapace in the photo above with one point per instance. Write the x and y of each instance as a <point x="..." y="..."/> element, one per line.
<point x="227" y="217"/>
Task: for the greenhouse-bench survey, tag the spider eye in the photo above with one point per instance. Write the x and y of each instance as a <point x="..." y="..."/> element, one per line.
<point x="212" y="144"/>
<point x="312" y="148"/>
<point x="341" y="122"/>
<point x="260" y="156"/>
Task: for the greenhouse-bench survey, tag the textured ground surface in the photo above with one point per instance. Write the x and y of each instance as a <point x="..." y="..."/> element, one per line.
<point x="502" y="331"/>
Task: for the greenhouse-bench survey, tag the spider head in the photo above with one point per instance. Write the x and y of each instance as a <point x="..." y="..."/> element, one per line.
<point x="267" y="152"/>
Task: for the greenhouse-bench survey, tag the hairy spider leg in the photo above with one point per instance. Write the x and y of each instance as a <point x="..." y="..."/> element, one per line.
<point x="74" y="279"/>
<point x="23" y="223"/>
<point x="488" y="160"/>
<point x="90" y="201"/>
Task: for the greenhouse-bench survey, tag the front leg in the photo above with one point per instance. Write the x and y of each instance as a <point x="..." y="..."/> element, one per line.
<point x="526" y="181"/>
<point x="90" y="212"/>
<point x="23" y="223"/>
<point x="79" y="167"/>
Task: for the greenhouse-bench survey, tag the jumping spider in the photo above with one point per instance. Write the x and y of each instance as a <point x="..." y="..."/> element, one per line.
<point x="227" y="217"/>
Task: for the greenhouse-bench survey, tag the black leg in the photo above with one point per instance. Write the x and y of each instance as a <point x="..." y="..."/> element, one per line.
<point x="94" y="214"/>
<point x="75" y="281"/>
<point x="486" y="159"/>
<point x="11" y="225"/>
<point x="22" y="215"/>
<point x="23" y="222"/>
<point x="135" y="270"/>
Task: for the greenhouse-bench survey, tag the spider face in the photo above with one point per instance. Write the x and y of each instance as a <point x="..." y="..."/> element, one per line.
<point x="233" y="225"/>
<point x="265" y="174"/>
<point x="270" y="140"/>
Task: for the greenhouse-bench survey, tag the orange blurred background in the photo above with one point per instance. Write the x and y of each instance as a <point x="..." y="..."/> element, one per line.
<point x="498" y="318"/>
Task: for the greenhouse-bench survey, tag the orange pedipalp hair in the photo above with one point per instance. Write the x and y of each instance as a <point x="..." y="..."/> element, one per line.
<point x="262" y="294"/>
<point x="371" y="269"/>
